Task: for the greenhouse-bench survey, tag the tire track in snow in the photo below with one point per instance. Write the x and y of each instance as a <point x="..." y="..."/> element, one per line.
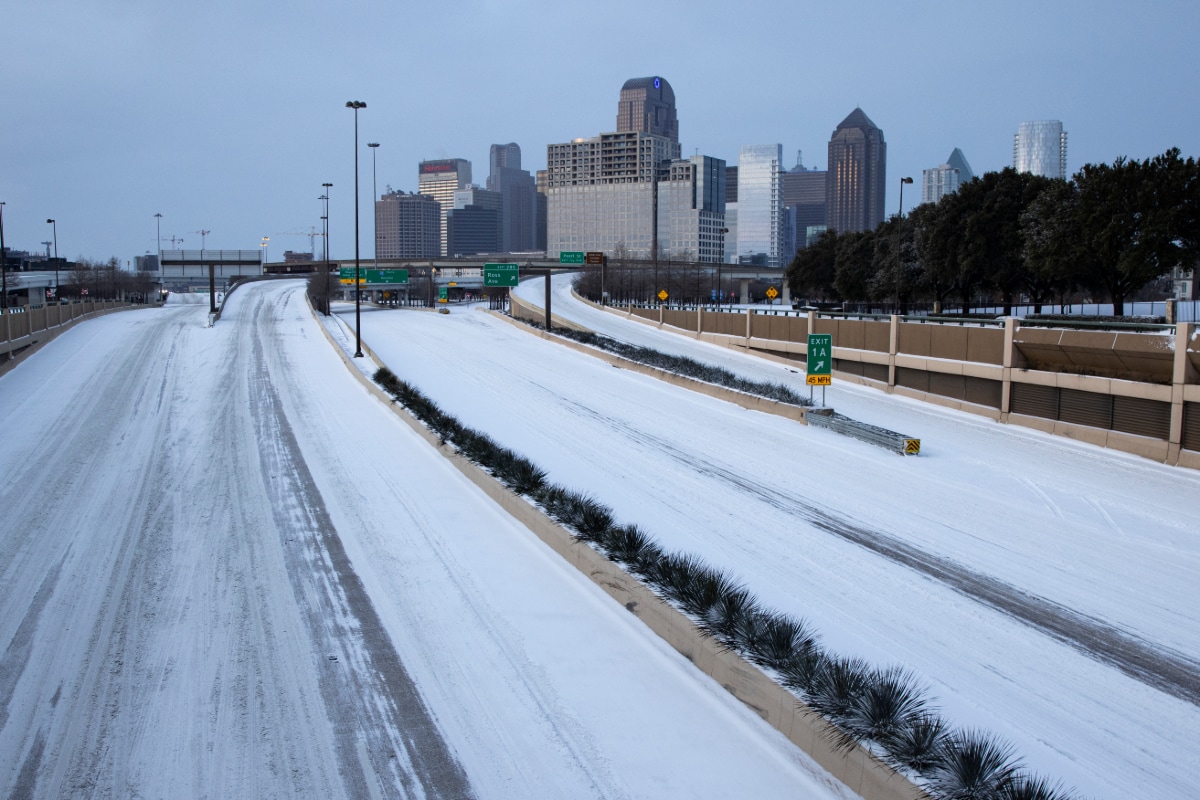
<point x="381" y="723"/>
<point x="1164" y="669"/>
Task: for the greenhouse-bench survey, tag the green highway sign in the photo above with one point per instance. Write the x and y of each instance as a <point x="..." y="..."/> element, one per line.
<point x="384" y="275"/>
<point x="571" y="257"/>
<point x="820" y="359"/>
<point x="500" y="274"/>
<point x="372" y="276"/>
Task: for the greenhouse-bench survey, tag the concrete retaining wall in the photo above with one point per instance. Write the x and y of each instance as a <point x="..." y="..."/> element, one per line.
<point x="973" y="369"/>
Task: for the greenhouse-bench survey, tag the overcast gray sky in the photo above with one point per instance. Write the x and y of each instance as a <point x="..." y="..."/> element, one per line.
<point x="229" y="115"/>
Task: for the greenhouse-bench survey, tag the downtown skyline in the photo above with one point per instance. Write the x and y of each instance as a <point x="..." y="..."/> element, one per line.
<point x="230" y="120"/>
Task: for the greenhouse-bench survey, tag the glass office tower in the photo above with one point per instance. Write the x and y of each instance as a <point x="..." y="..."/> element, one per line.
<point x="760" y="205"/>
<point x="1040" y="148"/>
<point x="940" y="181"/>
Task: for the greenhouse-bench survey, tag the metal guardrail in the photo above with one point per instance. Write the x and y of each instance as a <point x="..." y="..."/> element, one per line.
<point x="1140" y="327"/>
<point x="872" y="434"/>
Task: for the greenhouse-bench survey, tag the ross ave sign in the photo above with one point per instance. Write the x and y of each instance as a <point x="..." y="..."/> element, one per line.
<point x="500" y="275"/>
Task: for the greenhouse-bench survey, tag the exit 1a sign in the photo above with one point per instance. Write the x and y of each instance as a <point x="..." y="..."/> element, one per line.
<point x="820" y="359"/>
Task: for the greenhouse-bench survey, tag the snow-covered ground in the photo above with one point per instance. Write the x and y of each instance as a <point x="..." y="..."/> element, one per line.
<point x="1046" y="590"/>
<point x="227" y="571"/>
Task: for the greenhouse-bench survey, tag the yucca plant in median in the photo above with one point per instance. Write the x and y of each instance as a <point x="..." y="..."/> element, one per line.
<point x="976" y="766"/>
<point x="919" y="745"/>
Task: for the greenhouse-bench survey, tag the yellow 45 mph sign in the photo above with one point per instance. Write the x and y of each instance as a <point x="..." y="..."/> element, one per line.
<point x="820" y="359"/>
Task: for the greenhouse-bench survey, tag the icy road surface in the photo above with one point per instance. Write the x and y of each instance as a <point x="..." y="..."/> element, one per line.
<point x="227" y="571"/>
<point x="1046" y="590"/>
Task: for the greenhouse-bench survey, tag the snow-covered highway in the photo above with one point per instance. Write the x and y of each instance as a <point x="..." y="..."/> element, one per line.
<point x="227" y="571"/>
<point x="1107" y="540"/>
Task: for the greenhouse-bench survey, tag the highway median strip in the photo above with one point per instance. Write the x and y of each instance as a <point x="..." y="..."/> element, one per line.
<point x="886" y="711"/>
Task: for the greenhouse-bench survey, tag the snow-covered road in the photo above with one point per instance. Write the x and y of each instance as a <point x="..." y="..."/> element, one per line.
<point x="1108" y="542"/>
<point x="227" y="571"/>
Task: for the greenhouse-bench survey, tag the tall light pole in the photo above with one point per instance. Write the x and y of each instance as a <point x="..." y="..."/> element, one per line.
<point x="358" y="353"/>
<point x="158" y="232"/>
<point x="899" y="249"/>
<point x="720" y="260"/>
<point x="374" y="198"/>
<point x="265" y="251"/>
<point x="325" y="222"/>
<point x="54" y="225"/>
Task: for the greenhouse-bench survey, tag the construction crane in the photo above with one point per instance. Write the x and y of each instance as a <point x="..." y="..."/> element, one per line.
<point x="312" y="235"/>
<point x="175" y="239"/>
<point x="202" y="233"/>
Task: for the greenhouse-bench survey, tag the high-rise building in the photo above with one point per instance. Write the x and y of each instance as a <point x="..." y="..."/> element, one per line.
<point x="601" y="192"/>
<point x="440" y="180"/>
<point x="518" y="192"/>
<point x="540" y="209"/>
<point x="474" y="225"/>
<point x="1040" y="148"/>
<point x="472" y="229"/>
<point x="647" y="105"/>
<point x="804" y="195"/>
<point x="940" y="181"/>
<point x="629" y="191"/>
<point x="855" y="185"/>
<point x="691" y="210"/>
<point x="760" y="227"/>
<point x="407" y="226"/>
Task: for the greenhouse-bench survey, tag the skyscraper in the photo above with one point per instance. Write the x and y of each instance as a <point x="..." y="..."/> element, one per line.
<point x="439" y="180"/>
<point x="854" y="190"/>
<point x="629" y="190"/>
<point x="647" y="105"/>
<point x="518" y="193"/>
<point x="407" y="226"/>
<point x="804" y="195"/>
<point x="474" y="224"/>
<point x="1040" y="148"/>
<point x="940" y="181"/>
<point x="760" y="226"/>
<point x="601" y="192"/>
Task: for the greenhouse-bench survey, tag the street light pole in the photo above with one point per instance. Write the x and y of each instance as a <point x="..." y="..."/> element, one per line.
<point x="158" y="232"/>
<point x="899" y="250"/>
<point x="721" y="260"/>
<point x="358" y="353"/>
<point x="54" y="225"/>
<point x="325" y="220"/>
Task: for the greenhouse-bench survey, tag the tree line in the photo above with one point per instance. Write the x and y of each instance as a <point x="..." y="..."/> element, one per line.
<point x="105" y="280"/>
<point x="1108" y="231"/>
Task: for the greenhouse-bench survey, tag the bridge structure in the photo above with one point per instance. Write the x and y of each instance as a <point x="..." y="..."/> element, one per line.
<point x="426" y="277"/>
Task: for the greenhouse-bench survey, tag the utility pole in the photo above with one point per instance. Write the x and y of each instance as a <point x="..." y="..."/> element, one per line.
<point x="325" y="220"/>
